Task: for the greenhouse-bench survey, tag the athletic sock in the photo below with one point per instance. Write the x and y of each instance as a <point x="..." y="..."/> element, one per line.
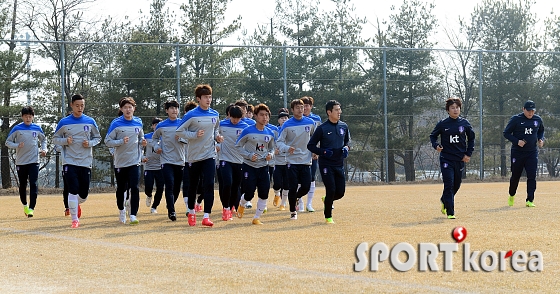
<point x="186" y="199"/>
<point x="261" y="205"/>
<point x="73" y="206"/>
<point x="242" y="202"/>
<point x="311" y="193"/>
<point x="285" y="197"/>
<point x="276" y="192"/>
<point x="206" y="215"/>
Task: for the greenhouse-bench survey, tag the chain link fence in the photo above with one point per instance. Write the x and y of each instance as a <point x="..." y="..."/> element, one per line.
<point x="391" y="97"/>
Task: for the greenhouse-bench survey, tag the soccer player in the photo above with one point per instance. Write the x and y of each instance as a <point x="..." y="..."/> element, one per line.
<point x="230" y="160"/>
<point x="200" y="127"/>
<point x="152" y="170"/>
<point x="25" y="137"/>
<point x="77" y="134"/>
<point x="256" y="146"/>
<point x="172" y="155"/>
<point x="456" y="148"/>
<point x="525" y="131"/>
<point x="126" y="136"/>
<point x="190" y="105"/>
<point x="293" y="139"/>
<point x="334" y="139"/>
<point x="281" y="184"/>
<point x="308" y="105"/>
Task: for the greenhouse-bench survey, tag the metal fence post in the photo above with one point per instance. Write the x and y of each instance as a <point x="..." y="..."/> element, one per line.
<point x="480" y="113"/>
<point x="285" y="78"/>
<point x="62" y="81"/>
<point x="178" y="71"/>
<point x="386" y="159"/>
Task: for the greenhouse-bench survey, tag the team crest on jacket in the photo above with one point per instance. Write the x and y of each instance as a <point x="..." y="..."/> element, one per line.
<point x="266" y="138"/>
<point x="307" y="129"/>
<point x="341" y="131"/>
<point x="86" y="128"/>
<point x="136" y="130"/>
<point x="445" y="165"/>
<point x="34" y="134"/>
<point x="213" y="120"/>
<point x="536" y="123"/>
<point x="239" y="132"/>
<point x="461" y="129"/>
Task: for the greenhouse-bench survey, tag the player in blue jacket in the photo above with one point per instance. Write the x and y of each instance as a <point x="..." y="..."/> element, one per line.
<point x="333" y="138"/>
<point x="25" y="139"/>
<point x="456" y="148"/>
<point x="526" y="133"/>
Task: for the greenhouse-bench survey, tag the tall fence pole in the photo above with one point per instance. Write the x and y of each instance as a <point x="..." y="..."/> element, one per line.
<point x="285" y="78"/>
<point x="385" y="126"/>
<point x="178" y="72"/>
<point x="62" y="81"/>
<point x="480" y="113"/>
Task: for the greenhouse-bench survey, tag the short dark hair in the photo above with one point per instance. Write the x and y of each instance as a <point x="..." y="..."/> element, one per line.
<point x="307" y="100"/>
<point x="190" y="105"/>
<point x="451" y="101"/>
<point x="202" y="89"/>
<point x="235" y="111"/>
<point x="228" y="108"/>
<point x="171" y="103"/>
<point x="283" y="109"/>
<point x="296" y="102"/>
<point x="27" y="110"/>
<point x="241" y="103"/>
<point x="260" y="107"/>
<point x="330" y="105"/>
<point x="156" y="120"/>
<point x="250" y="108"/>
<point x="77" y="97"/>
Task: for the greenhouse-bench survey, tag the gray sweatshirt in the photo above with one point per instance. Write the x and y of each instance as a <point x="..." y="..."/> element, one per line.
<point x="296" y="133"/>
<point x="80" y="128"/>
<point x="128" y="154"/>
<point x="31" y="135"/>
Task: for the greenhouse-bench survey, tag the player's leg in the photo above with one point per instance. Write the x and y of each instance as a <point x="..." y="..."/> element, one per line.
<point x="531" y="163"/>
<point x="516" y="171"/>
<point x="133" y="181"/>
<point x="263" y="186"/>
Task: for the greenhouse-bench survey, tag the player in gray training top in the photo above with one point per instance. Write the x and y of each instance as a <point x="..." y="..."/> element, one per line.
<point x="256" y="146"/>
<point x="172" y="155"/>
<point x="293" y="139"/>
<point x="25" y="138"/>
<point x="77" y="134"/>
<point x="230" y="160"/>
<point x="126" y="135"/>
<point x="200" y="127"/>
<point x="152" y="170"/>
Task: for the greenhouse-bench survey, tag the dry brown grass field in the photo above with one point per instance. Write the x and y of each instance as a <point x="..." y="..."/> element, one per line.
<point x="44" y="255"/>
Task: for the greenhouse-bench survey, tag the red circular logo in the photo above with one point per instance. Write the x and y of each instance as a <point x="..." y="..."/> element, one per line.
<point x="459" y="234"/>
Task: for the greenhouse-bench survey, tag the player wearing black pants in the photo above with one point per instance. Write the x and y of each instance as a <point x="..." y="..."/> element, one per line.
<point x="456" y="148"/>
<point x="526" y="132"/>
<point x="334" y="137"/>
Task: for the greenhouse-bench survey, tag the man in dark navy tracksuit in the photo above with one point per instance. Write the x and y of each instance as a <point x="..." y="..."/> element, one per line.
<point x="456" y="148"/>
<point x="526" y="132"/>
<point x="334" y="138"/>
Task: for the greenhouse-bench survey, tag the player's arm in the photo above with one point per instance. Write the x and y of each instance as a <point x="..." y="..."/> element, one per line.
<point x="95" y="135"/>
<point x="314" y="140"/>
<point x="508" y="131"/>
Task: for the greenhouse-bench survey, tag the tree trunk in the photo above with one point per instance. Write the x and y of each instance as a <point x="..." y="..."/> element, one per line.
<point x="409" y="165"/>
<point x="391" y="166"/>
